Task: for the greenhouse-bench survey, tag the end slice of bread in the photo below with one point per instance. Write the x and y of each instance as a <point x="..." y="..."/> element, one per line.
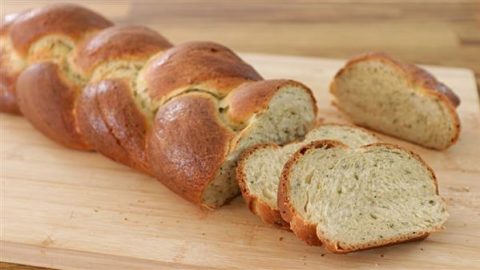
<point x="286" y="115"/>
<point x="353" y="199"/>
<point x="398" y="99"/>
<point x="260" y="167"/>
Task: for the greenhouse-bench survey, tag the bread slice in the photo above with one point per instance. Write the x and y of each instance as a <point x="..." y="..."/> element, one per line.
<point x="402" y="100"/>
<point x="260" y="167"/>
<point x="352" y="199"/>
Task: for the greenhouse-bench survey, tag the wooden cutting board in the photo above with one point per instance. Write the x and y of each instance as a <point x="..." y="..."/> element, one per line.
<point x="75" y="210"/>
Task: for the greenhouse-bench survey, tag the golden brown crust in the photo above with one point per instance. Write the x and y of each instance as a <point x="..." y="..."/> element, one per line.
<point x="253" y="97"/>
<point x="257" y="206"/>
<point x="188" y="144"/>
<point x="24" y="28"/>
<point x="111" y="122"/>
<point x="417" y="77"/>
<point x="337" y="248"/>
<point x="428" y="81"/>
<point x="48" y="101"/>
<point x="206" y="65"/>
<point x="66" y="19"/>
<point x="119" y="42"/>
<point x="8" y="97"/>
<point x="124" y="137"/>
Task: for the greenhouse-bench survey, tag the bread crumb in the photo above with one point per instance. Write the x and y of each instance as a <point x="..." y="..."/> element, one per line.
<point x="381" y="255"/>
<point x="323" y="255"/>
<point x="125" y="218"/>
<point x="280" y="239"/>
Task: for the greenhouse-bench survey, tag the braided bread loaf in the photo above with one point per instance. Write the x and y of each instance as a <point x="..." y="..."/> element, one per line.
<point x="180" y="113"/>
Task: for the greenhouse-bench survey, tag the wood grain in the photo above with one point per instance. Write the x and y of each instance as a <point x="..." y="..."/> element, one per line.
<point x="76" y="210"/>
<point x="441" y="32"/>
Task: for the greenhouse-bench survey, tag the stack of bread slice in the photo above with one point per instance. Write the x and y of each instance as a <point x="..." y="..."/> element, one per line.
<point x="259" y="169"/>
<point x="343" y="188"/>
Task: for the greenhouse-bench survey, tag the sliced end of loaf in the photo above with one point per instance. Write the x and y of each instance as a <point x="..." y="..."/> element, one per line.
<point x="361" y="198"/>
<point x="289" y="114"/>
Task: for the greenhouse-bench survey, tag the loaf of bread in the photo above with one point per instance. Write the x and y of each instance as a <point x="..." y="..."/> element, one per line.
<point x="260" y="167"/>
<point x="358" y="198"/>
<point x="180" y="113"/>
<point x="398" y="99"/>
